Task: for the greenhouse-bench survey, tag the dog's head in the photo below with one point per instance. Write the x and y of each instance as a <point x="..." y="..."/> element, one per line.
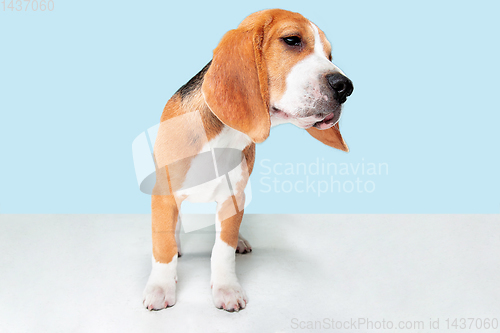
<point x="275" y="68"/>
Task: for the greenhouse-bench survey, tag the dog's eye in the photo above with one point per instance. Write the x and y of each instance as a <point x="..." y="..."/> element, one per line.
<point x="292" y="40"/>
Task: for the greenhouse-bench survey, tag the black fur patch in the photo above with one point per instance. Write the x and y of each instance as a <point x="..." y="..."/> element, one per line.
<point x="193" y="84"/>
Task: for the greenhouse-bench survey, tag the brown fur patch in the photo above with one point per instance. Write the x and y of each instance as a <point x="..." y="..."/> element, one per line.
<point x="164" y="214"/>
<point x="235" y="85"/>
<point x="330" y="137"/>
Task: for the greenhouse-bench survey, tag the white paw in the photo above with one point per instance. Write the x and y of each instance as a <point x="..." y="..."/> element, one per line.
<point x="243" y="245"/>
<point x="160" y="289"/>
<point x="229" y="297"/>
<point x="158" y="297"/>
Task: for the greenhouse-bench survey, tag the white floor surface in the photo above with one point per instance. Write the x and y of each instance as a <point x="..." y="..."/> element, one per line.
<point x="86" y="273"/>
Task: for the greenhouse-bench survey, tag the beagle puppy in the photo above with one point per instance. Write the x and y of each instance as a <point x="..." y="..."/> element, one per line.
<point x="274" y="68"/>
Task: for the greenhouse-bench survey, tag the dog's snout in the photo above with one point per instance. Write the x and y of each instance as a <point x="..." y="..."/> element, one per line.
<point x="341" y="86"/>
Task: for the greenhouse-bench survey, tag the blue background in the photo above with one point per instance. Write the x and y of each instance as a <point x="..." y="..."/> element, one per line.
<point x="78" y="84"/>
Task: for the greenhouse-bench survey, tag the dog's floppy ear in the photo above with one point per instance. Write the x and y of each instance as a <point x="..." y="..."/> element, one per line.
<point x="330" y="137"/>
<point x="235" y="86"/>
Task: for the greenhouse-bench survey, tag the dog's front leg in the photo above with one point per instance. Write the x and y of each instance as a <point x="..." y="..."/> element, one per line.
<point x="226" y="290"/>
<point x="160" y="289"/>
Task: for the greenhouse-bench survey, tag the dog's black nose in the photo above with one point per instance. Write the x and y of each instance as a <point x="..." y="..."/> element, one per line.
<point x="341" y="85"/>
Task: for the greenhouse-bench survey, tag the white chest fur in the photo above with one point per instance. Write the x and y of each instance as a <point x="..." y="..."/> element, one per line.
<point x="214" y="172"/>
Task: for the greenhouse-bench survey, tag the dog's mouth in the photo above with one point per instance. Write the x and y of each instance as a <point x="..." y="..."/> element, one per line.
<point x="327" y="122"/>
<point x="318" y="120"/>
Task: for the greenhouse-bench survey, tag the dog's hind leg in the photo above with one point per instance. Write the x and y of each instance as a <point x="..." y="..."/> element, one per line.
<point x="243" y="245"/>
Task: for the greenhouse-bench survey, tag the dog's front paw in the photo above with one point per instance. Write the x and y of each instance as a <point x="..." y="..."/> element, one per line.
<point x="157" y="297"/>
<point x="229" y="297"/>
<point x="160" y="289"/>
